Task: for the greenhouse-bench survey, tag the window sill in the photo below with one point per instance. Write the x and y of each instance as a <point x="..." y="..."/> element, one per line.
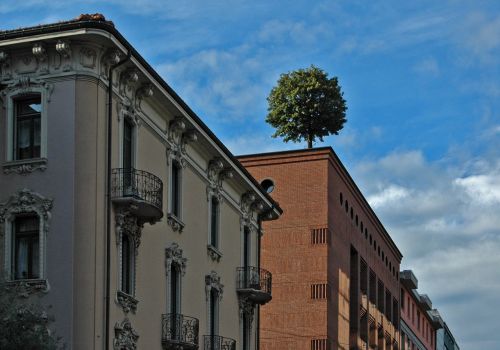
<point x="25" y="166"/>
<point x="126" y="301"/>
<point x="214" y="253"/>
<point x="175" y="222"/>
<point x="25" y="288"/>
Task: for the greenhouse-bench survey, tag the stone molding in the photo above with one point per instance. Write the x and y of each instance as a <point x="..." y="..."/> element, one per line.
<point x="125" y="336"/>
<point x="247" y="308"/>
<point x="25" y="288"/>
<point x="174" y="222"/>
<point x="25" y="166"/>
<point x="213" y="281"/>
<point x="26" y="201"/>
<point x="214" y="253"/>
<point x="127" y="302"/>
<point x="173" y="255"/>
<point x="128" y="224"/>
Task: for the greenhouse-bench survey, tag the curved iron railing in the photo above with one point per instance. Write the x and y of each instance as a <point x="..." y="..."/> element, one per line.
<point x="130" y="182"/>
<point x="216" y="342"/>
<point x="178" y="329"/>
<point x="254" y="278"/>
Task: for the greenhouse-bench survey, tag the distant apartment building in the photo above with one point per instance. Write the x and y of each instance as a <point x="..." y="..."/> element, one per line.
<point x="445" y="339"/>
<point x="118" y="206"/>
<point x="419" y="321"/>
<point x="335" y="267"/>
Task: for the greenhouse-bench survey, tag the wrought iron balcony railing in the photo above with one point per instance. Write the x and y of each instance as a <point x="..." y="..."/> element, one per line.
<point x="216" y="342"/>
<point x="255" y="283"/>
<point x="179" y="331"/>
<point x="141" y="187"/>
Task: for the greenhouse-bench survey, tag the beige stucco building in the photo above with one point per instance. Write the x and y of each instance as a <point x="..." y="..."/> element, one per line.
<point x="131" y="219"/>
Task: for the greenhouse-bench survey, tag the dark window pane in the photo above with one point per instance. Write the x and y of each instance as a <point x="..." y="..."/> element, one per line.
<point x="28" y="128"/>
<point x="26" y="259"/>
<point x="175" y="195"/>
<point x="126" y="265"/>
<point x="214" y="221"/>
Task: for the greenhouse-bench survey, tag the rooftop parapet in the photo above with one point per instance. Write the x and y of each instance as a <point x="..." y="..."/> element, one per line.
<point x="408" y="279"/>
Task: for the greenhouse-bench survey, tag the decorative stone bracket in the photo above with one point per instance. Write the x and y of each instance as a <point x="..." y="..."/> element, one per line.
<point x="127" y="302"/>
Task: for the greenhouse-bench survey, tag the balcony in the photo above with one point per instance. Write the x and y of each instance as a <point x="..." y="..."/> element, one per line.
<point x="216" y="342"/>
<point x="140" y="191"/>
<point x="254" y="284"/>
<point x="179" y="332"/>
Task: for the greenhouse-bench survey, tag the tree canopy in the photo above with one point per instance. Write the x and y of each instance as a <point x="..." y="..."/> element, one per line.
<point x="306" y="105"/>
<point x="24" y="324"/>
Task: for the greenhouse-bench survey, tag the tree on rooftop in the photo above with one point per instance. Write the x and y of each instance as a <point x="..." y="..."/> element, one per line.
<point x="306" y="105"/>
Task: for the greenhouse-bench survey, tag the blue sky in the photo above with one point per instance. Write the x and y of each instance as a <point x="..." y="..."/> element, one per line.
<point x="422" y="84"/>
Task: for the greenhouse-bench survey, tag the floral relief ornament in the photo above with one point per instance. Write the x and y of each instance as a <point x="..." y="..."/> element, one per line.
<point x="25" y="201"/>
<point x="125" y="336"/>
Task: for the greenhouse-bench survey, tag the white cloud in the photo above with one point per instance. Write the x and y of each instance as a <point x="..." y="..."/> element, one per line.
<point x="448" y="230"/>
<point x="481" y="189"/>
<point x="392" y="193"/>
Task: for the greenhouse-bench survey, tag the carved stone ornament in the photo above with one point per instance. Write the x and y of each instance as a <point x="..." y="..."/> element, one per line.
<point x="127" y="302"/>
<point x="40" y="52"/>
<point x="25" y="167"/>
<point x="26" y="201"/>
<point x="216" y="174"/>
<point x="128" y="224"/>
<point x="214" y="253"/>
<point x="145" y="91"/>
<point x="27" y="85"/>
<point x="125" y="336"/>
<point x="127" y="79"/>
<point x="178" y="137"/>
<point x="25" y="288"/>
<point x="173" y="255"/>
<point x="247" y="308"/>
<point x="174" y="222"/>
<point x="126" y="110"/>
<point x="63" y="48"/>
<point x="212" y="281"/>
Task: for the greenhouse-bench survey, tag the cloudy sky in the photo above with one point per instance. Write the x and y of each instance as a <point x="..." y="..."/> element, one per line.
<point x="422" y="83"/>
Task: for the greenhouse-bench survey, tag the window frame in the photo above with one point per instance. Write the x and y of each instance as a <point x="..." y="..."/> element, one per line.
<point x="12" y="97"/>
<point x="38" y="206"/>
<point x="14" y="241"/>
<point x="211" y="226"/>
<point x="131" y="263"/>
<point x="175" y="164"/>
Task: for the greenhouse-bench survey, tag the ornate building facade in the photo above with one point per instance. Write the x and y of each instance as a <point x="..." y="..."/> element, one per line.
<point x="335" y="267"/>
<point x="118" y="206"/>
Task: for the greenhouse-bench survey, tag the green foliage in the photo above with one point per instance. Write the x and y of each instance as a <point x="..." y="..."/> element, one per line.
<point x="23" y="325"/>
<point x="306" y="105"/>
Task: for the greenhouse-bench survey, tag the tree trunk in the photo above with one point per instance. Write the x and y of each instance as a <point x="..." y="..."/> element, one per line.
<point x="309" y="141"/>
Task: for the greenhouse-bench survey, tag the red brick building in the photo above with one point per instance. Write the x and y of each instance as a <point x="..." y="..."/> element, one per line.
<point x="419" y="322"/>
<point x="335" y="268"/>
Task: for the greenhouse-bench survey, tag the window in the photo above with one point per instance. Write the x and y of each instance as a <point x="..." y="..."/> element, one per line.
<point x="25" y="247"/>
<point x="267" y="185"/>
<point x="319" y="291"/>
<point x="402" y="299"/>
<point x="174" y="295"/>
<point x="27" y="126"/>
<point x="214" y="312"/>
<point x="127" y="264"/>
<point x="214" y="222"/>
<point x="25" y="218"/>
<point x="246" y="332"/>
<point x="418" y="320"/>
<point x="319" y="236"/>
<point x="319" y="344"/>
<point x="175" y="190"/>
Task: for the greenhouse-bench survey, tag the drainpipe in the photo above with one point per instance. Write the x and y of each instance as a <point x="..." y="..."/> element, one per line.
<point x="108" y="195"/>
